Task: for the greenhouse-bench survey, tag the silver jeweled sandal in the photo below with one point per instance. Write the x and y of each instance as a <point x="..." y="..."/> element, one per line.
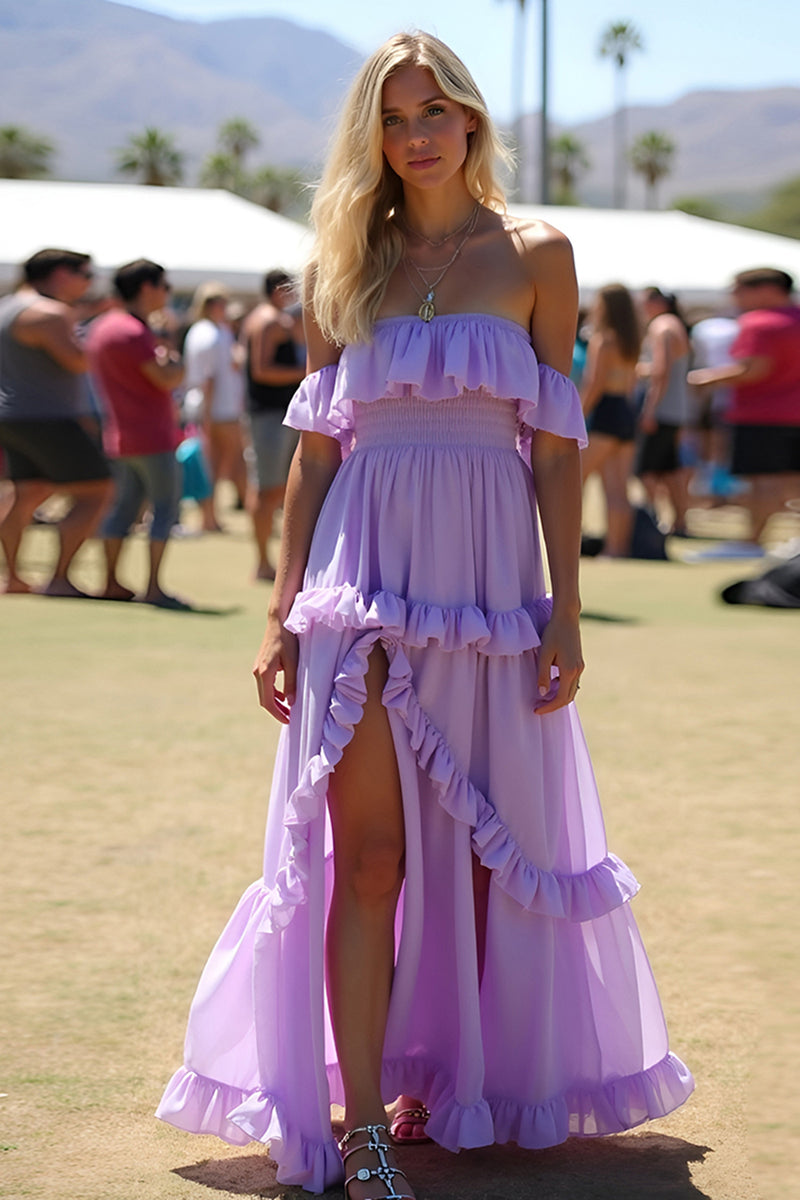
<point x="383" y="1171"/>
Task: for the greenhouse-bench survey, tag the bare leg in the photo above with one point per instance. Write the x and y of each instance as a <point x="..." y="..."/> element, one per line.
<point x="263" y="506"/>
<point x="28" y="495"/>
<point x="230" y="464"/>
<point x="154" y="592"/>
<point x="369" y="844"/>
<point x="211" y="522"/>
<point x="616" y="472"/>
<point x="677" y="485"/>
<point x="114" y="590"/>
<point x="91" y="500"/>
<point x="769" y="496"/>
<point x="595" y="454"/>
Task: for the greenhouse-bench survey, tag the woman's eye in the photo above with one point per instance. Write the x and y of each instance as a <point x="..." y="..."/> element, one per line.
<point x="435" y="110"/>
<point x="393" y="120"/>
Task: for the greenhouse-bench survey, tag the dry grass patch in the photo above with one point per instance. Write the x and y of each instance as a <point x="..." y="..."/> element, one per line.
<point x="136" y="769"/>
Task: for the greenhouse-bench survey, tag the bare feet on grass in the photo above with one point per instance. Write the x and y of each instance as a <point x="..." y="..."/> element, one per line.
<point x="63" y="589"/>
<point x="14" y="586"/>
<point x="117" y="591"/>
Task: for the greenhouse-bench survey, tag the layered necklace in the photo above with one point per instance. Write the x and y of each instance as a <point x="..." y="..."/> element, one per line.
<point x="427" y="309"/>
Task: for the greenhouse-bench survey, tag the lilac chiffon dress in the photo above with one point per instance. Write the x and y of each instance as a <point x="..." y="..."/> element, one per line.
<point x="427" y="542"/>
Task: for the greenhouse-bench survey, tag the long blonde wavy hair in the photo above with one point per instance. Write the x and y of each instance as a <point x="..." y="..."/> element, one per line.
<point x="357" y="245"/>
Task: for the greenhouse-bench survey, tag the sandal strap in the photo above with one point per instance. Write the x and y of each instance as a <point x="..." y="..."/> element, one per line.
<point x="376" y="1173"/>
<point x="384" y="1171"/>
<point x="375" y="1147"/>
<point x="372" y="1130"/>
<point x="411" y="1114"/>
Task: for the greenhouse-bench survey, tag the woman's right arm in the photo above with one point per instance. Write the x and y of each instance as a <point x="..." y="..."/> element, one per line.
<point x="315" y="463"/>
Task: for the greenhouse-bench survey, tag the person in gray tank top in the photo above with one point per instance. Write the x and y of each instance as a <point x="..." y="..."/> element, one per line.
<point x="44" y="411"/>
<point x="667" y="404"/>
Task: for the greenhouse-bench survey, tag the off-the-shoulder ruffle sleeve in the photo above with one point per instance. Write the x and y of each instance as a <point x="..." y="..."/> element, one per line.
<point x="455" y="353"/>
<point x="556" y="409"/>
<point x="312" y="409"/>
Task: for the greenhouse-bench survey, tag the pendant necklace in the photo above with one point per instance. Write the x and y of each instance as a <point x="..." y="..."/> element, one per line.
<point x="427" y="309"/>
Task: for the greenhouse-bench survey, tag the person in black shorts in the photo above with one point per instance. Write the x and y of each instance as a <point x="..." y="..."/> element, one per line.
<point x="764" y="376"/>
<point x="45" y="411"/>
<point x="606" y="389"/>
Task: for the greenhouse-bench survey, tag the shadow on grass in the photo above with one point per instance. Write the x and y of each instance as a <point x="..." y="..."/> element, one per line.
<point x="645" y="1166"/>
<point x="609" y="618"/>
<point x="195" y="610"/>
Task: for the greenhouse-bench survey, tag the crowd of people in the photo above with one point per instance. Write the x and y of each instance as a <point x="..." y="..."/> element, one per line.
<point x="111" y="403"/>
<point x="699" y="411"/>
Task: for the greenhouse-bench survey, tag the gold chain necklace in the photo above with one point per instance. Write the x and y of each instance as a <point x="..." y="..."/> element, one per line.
<point x="427" y="310"/>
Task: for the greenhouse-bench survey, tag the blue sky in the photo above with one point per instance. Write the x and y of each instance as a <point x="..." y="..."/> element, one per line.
<point x="735" y="44"/>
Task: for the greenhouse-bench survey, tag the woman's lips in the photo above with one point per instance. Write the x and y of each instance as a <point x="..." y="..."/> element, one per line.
<point x="419" y="164"/>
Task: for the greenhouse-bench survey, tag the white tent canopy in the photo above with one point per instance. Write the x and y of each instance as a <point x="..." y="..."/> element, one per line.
<point x="690" y="256"/>
<point x="201" y="234"/>
<point x="197" y="234"/>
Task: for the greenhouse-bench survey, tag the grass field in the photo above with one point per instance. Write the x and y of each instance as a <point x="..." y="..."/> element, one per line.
<point x="135" y="773"/>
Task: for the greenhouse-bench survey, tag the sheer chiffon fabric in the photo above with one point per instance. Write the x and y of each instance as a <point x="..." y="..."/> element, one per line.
<point x="427" y="544"/>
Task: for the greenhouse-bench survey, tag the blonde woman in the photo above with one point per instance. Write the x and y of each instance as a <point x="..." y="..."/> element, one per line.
<point x="439" y="924"/>
<point x="607" y="389"/>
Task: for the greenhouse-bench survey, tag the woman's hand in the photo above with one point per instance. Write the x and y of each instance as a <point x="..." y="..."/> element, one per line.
<point x="277" y="655"/>
<point x="560" y="648"/>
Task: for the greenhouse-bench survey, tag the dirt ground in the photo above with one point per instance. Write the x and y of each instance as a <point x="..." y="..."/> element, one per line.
<point x="134" y="779"/>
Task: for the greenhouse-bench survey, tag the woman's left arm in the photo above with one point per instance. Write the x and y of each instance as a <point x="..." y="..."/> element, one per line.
<point x="557" y="471"/>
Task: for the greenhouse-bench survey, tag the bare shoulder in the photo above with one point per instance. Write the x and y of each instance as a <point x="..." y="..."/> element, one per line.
<point x="45" y="311"/>
<point x="542" y="247"/>
<point x="665" y="325"/>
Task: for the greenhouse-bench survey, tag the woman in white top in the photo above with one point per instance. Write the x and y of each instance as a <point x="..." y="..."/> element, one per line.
<point x="215" y="390"/>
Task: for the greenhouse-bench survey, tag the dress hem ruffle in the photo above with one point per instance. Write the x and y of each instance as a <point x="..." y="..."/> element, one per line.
<point x="194" y="1103"/>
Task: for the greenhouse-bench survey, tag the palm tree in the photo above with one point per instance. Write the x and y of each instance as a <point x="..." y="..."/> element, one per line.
<point x="23" y="153"/>
<point x="651" y="156"/>
<point x="222" y="171"/>
<point x="152" y="155"/>
<point x="236" y="137"/>
<point x="277" y="188"/>
<point x="618" y="41"/>
<point x="568" y="159"/>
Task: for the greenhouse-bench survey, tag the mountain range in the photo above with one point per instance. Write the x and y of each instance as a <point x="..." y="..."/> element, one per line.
<point x="89" y="73"/>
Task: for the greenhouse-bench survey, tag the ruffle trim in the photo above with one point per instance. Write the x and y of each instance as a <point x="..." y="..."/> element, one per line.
<point x="593" y="893"/>
<point x="439" y="361"/>
<point x="416" y="624"/>
<point x="581" y="897"/>
<point x="195" y="1103"/>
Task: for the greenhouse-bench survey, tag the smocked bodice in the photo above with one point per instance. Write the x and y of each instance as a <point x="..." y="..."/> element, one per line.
<point x="469" y="420"/>
<point x="458" y="357"/>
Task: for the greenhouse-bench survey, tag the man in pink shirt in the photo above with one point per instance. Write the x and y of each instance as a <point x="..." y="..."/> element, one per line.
<point x="135" y="377"/>
<point x="764" y="411"/>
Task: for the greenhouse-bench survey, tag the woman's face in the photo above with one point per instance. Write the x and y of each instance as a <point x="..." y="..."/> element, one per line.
<point x="424" y="133"/>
